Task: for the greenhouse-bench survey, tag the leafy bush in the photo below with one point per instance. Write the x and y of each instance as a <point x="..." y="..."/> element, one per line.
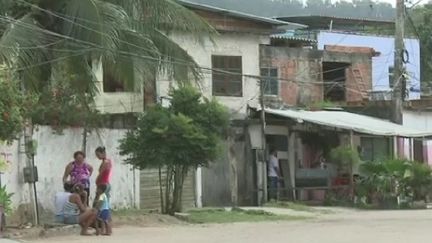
<point x="419" y="180"/>
<point x="345" y="156"/>
<point x="12" y="110"/>
<point x="6" y="199"/>
<point x="384" y="181"/>
<point x="179" y="138"/>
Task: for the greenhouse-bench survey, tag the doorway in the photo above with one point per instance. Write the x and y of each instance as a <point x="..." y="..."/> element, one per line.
<point x="334" y="78"/>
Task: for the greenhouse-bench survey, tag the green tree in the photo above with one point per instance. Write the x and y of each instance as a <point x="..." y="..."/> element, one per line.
<point x="14" y="107"/>
<point x="129" y="36"/>
<point x="52" y="46"/>
<point x="419" y="24"/>
<point x="179" y="138"/>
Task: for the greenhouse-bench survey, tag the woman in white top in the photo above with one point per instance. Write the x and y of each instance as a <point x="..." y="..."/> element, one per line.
<point x="60" y="200"/>
<point x="76" y="212"/>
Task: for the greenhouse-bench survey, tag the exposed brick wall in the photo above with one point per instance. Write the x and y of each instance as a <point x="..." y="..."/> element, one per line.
<point x="350" y="49"/>
<point x="355" y="90"/>
<point x="304" y="69"/>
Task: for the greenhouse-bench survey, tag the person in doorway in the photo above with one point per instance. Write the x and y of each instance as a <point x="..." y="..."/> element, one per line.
<point x="273" y="175"/>
<point x="60" y="200"/>
<point x="105" y="172"/>
<point x="79" y="172"/>
<point x="75" y="211"/>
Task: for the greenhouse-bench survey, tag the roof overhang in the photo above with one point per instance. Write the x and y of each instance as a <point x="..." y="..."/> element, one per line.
<point x="350" y="122"/>
<point x="322" y="21"/>
<point x="241" y="15"/>
<point x="289" y="37"/>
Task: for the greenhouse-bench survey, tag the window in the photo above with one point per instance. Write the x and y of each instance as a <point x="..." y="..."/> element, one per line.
<point x="373" y="149"/>
<point x="112" y="83"/>
<point x="229" y="80"/>
<point x="391" y="76"/>
<point x="271" y="82"/>
<point x="334" y="78"/>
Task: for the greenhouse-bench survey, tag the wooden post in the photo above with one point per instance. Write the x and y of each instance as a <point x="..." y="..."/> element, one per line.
<point x="395" y="147"/>
<point x="263" y="140"/>
<point x="351" y="182"/>
<point x="292" y="161"/>
<point x="399" y="72"/>
<point x="411" y="141"/>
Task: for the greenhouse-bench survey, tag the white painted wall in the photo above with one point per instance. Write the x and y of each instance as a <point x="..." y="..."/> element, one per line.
<point x="230" y="44"/>
<point x="420" y="120"/>
<point x="116" y="102"/>
<point x="13" y="176"/>
<point x="55" y="151"/>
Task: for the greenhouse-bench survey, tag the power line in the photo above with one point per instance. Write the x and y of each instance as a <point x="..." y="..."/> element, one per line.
<point x="156" y="59"/>
<point x="65" y="17"/>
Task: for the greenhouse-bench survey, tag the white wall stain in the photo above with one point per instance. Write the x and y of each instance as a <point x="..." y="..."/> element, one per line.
<point x="54" y="152"/>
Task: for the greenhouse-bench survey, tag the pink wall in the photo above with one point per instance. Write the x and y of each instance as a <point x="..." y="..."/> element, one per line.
<point x="427" y="151"/>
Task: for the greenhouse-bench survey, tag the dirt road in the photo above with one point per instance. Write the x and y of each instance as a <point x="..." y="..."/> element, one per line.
<point x="344" y="227"/>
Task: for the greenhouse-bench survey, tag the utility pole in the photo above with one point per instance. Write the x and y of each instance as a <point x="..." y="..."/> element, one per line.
<point x="399" y="71"/>
<point x="263" y="197"/>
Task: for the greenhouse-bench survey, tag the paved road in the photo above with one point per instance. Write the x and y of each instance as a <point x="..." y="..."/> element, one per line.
<point x="344" y="227"/>
<point x="8" y="241"/>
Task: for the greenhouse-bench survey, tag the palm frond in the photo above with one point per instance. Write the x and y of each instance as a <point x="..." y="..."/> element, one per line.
<point x="23" y="47"/>
<point x="168" y="15"/>
<point x="137" y="60"/>
<point x="175" y="61"/>
<point x="95" y="22"/>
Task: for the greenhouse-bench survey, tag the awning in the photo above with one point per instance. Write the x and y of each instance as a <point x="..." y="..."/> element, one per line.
<point x="351" y="122"/>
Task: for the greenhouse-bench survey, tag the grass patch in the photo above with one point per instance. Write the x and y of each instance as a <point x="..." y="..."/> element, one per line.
<point x="297" y="207"/>
<point x="220" y="216"/>
<point x="292" y="206"/>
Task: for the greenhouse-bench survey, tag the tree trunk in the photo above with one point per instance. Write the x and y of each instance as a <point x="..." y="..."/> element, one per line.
<point x="161" y="191"/>
<point x="179" y="177"/>
<point x="84" y="139"/>
<point x="168" y="189"/>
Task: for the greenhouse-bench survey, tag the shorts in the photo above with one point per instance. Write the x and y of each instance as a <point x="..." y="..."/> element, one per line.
<point x="71" y="219"/>
<point x="105" y="215"/>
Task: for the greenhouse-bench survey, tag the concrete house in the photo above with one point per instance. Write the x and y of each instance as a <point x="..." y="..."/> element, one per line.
<point x="235" y="49"/>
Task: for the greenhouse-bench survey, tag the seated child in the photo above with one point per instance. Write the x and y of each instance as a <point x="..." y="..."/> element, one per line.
<point x="104" y="213"/>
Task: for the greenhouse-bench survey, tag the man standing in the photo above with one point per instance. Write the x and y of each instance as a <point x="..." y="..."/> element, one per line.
<point x="273" y="175"/>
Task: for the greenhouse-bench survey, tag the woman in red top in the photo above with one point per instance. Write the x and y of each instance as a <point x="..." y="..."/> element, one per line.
<point x="105" y="170"/>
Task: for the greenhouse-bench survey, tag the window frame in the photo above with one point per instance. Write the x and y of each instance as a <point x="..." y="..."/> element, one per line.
<point x="268" y="78"/>
<point x="228" y="80"/>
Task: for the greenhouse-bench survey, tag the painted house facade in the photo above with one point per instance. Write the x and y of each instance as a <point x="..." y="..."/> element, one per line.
<point x="235" y="50"/>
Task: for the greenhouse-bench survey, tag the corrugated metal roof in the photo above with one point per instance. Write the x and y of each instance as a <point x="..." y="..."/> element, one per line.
<point x="350" y="121"/>
<point x="322" y="21"/>
<point x="238" y="14"/>
<point x="289" y="36"/>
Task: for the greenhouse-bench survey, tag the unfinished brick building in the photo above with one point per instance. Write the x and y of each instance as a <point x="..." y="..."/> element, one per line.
<point x="303" y="76"/>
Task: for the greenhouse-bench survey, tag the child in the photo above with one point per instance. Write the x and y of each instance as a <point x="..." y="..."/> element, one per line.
<point x="104" y="214"/>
